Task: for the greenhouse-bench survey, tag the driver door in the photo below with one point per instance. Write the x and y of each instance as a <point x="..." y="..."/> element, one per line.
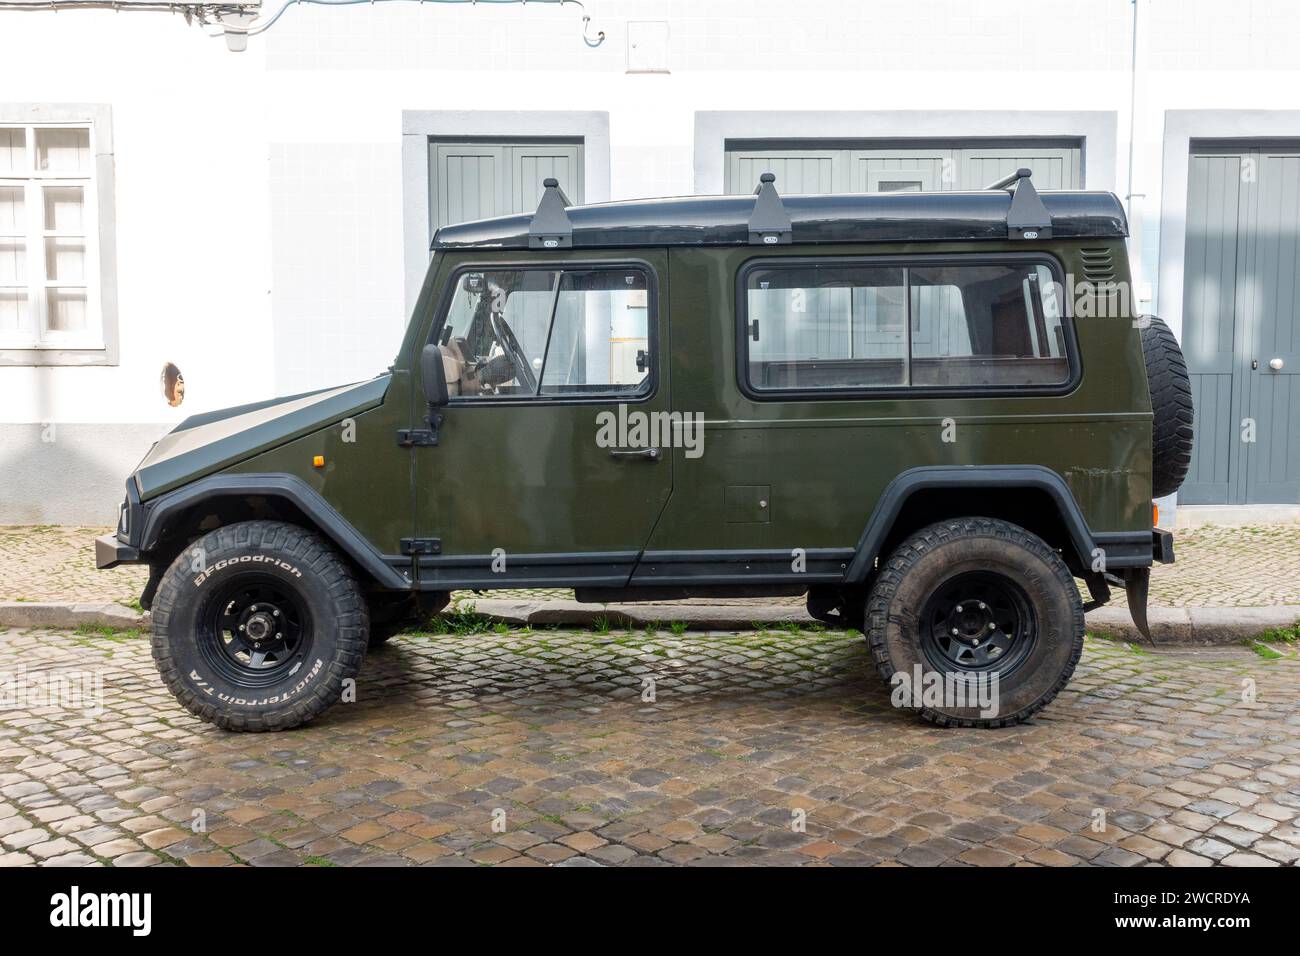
<point x="537" y="479"/>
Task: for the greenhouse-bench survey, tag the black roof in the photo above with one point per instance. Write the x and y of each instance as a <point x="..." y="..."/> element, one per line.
<point x="864" y="217"/>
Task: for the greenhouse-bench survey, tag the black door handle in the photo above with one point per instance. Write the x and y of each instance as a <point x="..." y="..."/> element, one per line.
<point x="651" y="454"/>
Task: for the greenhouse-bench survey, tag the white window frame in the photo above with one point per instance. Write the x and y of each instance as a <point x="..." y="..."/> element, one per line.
<point x="96" y="344"/>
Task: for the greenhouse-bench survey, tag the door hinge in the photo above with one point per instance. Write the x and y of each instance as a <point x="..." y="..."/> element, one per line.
<point x="421" y="546"/>
<point x="412" y="437"/>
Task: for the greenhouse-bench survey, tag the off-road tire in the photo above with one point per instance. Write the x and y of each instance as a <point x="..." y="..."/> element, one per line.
<point x="283" y="556"/>
<point x="928" y="559"/>
<point x="1171" y="407"/>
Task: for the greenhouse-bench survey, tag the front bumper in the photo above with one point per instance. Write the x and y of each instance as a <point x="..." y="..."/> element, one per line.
<point x="109" y="552"/>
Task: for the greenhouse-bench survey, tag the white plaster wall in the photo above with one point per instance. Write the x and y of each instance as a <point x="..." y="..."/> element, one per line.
<point x="259" y="207"/>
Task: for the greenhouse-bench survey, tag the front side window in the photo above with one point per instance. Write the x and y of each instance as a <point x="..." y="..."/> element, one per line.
<point x="549" y="333"/>
<point x="48" y="253"/>
<point x="861" y="326"/>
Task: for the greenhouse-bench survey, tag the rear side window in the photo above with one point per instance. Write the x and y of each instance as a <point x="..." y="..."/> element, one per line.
<point x="548" y="333"/>
<point x="859" y="326"/>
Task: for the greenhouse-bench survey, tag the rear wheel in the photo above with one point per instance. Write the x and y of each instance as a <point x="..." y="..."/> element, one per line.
<point x="257" y="625"/>
<point x="975" y="622"/>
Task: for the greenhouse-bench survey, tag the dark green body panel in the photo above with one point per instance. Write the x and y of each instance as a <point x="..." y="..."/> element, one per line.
<point x="368" y="479"/>
<point x="827" y="461"/>
<point x="215" y="441"/>
<point x="530" y="478"/>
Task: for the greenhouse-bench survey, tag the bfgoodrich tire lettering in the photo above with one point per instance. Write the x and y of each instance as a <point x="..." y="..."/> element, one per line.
<point x="290" y="588"/>
<point x="981" y="548"/>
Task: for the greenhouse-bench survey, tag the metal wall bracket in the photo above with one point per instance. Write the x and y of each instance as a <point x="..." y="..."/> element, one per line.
<point x="550" y="227"/>
<point x="769" y="223"/>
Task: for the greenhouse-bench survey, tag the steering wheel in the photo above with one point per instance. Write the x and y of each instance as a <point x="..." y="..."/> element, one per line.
<point x="523" y="371"/>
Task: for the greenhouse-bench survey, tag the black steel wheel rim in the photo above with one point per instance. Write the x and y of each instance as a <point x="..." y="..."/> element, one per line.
<point x="255" y="630"/>
<point x="977" y="622"/>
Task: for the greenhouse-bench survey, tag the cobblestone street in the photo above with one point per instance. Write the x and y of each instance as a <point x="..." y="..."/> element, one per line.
<point x="769" y="748"/>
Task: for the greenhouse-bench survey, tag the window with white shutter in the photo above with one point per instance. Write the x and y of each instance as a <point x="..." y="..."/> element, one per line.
<point x="50" y="276"/>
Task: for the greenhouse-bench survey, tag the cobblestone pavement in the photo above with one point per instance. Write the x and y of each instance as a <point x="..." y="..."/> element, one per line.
<point x="1216" y="567"/>
<point x="546" y="733"/>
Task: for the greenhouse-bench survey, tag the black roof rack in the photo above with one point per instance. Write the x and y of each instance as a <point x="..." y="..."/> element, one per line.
<point x="769" y="223"/>
<point x="1009" y="209"/>
<point x="550" y="228"/>
<point x="1028" y="217"/>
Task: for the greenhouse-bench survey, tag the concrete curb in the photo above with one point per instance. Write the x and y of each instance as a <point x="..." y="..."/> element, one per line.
<point x="1194" y="625"/>
<point x="1184" y="626"/>
<point x="69" y="615"/>
<point x="1174" y="626"/>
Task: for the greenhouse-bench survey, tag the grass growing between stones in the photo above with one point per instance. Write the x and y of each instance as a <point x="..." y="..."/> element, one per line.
<point x="107" y="631"/>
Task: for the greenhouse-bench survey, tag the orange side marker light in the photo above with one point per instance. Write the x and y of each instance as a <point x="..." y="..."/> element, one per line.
<point x="318" y="461"/>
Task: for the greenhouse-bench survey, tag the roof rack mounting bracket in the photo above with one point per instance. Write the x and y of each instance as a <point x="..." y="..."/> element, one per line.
<point x="550" y="227"/>
<point x="769" y="223"/>
<point x="1028" y="217"/>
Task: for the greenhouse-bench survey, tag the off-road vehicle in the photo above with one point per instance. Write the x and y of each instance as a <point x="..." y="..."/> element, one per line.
<point x="932" y="413"/>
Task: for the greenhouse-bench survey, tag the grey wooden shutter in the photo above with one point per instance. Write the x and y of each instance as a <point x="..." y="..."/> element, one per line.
<point x="1055" y="167"/>
<point x="469" y="182"/>
<point x="534" y="162"/>
<point x="900" y="170"/>
<point x="796" y="170"/>
<point x="804" y="168"/>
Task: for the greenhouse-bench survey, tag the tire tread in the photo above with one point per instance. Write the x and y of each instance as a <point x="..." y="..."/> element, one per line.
<point x="349" y="615"/>
<point x="927" y="539"/>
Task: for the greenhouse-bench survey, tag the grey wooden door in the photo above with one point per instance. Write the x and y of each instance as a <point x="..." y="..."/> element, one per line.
<point x="470" y="181"/>
<point x="1055" y="167"/>
<point x="796" y="170"/>
<point x="807" y="168"/>
<point x="1272" y="310"/>
<point x="900" y="170"/>
<point x="1240" y="314"/>
<point x="1211" y="335"/>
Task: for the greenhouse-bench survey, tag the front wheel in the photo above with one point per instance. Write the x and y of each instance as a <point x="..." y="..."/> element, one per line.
<point x="975" y="622"/>
<point x="257" y="625"/>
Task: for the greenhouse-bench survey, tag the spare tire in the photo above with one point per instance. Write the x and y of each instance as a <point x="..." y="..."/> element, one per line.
<point x="1171" y="407"/>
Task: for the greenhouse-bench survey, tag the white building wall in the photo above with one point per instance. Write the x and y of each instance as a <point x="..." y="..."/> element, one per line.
<point x="259" y="208"/>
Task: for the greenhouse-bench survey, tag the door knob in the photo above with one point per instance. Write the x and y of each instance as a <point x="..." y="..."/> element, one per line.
<point x="1276" y="364"/>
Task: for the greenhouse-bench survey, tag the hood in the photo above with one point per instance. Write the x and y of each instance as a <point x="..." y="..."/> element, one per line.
<point x="206" y="443"/>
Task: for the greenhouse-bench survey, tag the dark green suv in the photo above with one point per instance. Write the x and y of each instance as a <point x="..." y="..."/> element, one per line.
<point x="929" y="412"/>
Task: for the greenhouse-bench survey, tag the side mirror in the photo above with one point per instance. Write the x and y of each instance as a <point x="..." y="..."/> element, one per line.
<point x="434" y="376"/>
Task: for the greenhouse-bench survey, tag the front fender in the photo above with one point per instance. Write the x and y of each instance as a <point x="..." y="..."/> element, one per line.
<point x="323" y="516"/>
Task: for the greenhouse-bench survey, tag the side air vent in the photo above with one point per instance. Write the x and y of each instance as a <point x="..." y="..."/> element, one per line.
<point x="1098" y="265"/>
